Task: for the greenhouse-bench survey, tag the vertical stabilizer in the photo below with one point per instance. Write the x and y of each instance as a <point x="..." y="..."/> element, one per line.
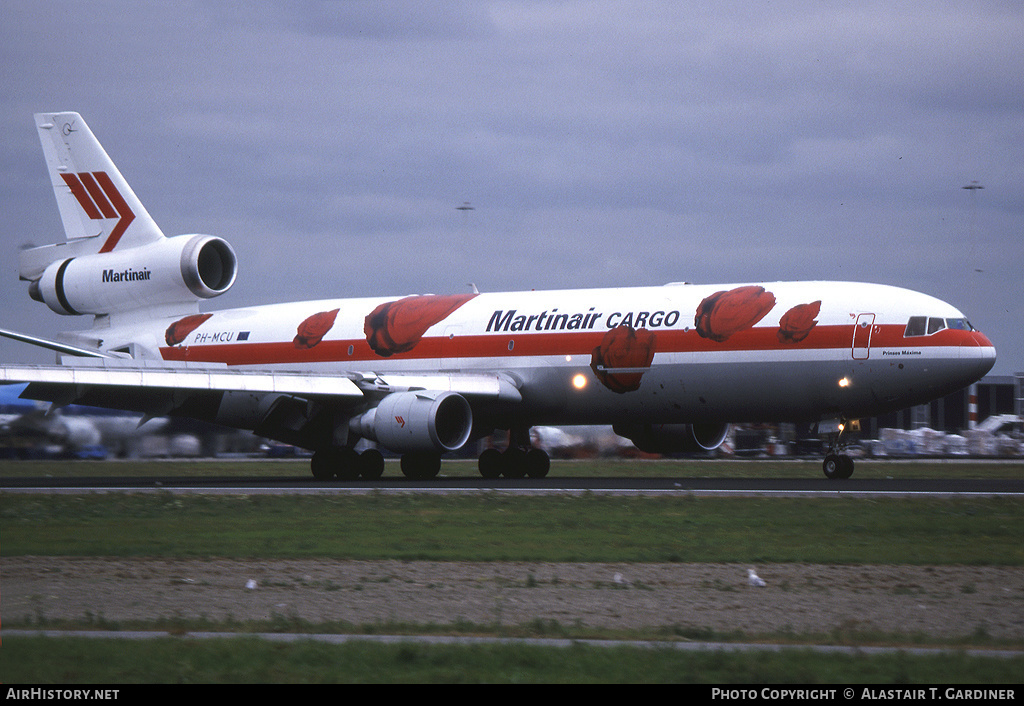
<point x="99" y="210"/>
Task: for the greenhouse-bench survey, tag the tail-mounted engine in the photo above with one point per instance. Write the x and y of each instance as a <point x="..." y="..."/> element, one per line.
<point x="168" y="271"/>
<point x="417" y="421"/>
<point x="674" y="438"/>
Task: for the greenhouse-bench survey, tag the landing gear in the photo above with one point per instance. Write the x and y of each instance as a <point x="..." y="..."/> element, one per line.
<point x="345" y="463"/>
<point x="421" y="465"/>
<point x="837" y="466"/>
<point x="519" y="460"/>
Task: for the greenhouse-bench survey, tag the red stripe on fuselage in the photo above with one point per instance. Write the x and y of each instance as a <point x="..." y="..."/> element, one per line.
<point x="839" y="338"/>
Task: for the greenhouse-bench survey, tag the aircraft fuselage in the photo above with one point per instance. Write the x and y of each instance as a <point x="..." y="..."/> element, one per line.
<point x="680" y="353"/>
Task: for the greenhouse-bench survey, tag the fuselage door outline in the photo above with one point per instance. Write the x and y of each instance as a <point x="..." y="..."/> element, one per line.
<point x="862" y="336"/>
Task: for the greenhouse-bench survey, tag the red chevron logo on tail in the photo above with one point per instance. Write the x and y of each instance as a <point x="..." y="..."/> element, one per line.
<point x="100" y="199"/>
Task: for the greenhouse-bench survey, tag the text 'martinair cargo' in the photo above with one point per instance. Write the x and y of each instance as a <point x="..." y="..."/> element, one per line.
<point x="512" y="320"/>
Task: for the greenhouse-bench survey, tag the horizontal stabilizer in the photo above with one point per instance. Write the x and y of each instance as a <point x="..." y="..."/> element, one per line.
<point x="63" y="348"/>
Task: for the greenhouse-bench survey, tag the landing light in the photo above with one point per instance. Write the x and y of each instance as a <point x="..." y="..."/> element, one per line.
<point x="845" y="382"/>
<point x="579" y="381"/>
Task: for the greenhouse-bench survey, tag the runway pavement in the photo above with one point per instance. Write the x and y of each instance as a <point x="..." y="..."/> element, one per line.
<point x="610" y="485"/>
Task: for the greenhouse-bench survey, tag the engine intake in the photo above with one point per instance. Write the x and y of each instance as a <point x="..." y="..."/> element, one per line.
<point x="417" y="421"/>
<point x="674" y="438"/>
<point x="168" y="271"/>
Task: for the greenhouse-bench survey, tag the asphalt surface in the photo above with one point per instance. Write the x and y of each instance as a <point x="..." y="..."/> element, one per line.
<point x="723" y="486"/>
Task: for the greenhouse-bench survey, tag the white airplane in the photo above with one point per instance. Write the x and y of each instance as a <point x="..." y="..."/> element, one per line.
<point x="669" y="366"/>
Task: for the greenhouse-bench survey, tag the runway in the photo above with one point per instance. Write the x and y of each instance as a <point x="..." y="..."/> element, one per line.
<point x="551" y="485"/>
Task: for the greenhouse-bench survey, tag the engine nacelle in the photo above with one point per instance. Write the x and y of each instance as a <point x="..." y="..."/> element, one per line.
<point x="169" y="271"/>
<point x="674" y="438"/>
<point x="417" y="421"/>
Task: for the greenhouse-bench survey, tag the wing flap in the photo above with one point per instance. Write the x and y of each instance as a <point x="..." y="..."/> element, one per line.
<point x="471" y="385"/>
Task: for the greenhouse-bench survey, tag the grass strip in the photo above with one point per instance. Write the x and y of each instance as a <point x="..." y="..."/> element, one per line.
<point x="501" y="527"/>
<point x="40" y="660"/>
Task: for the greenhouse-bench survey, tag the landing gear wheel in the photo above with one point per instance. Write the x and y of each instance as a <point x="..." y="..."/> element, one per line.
<point x="519" y="460"/>
<point x="371" y="464"/>
<point x="491" y="463"/>
<point x="321" y="466"/>
<point x="515" y="463"/>
<point x="845" y="467"/>
<point x="334" y="462"/>
<point x="346" y="463"/>
<point x="537" y="463"/>
<point x="837" y="467"/>
<point x="421" y="465"/>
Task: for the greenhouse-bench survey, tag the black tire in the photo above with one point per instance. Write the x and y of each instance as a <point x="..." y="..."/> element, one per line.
<point x="490" y="463"/>
<point x="371" y="464"/>
<point x="845" y="467"/>
<point x="515" y="463"/>
<point x="537" y="463"/>
<point x="321" y="466"/>
<point x="837" y="467"/>
<point x="421" y="465"/>
<point x="831" y="466"/>
<point x="346" y="463"/>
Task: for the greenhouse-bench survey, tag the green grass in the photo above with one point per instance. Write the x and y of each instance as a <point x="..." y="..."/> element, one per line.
<point x="37" y="660"/>
<point x="753" y="468"/>
<point x="493" y="526"/>
<point x="500" y="527"/>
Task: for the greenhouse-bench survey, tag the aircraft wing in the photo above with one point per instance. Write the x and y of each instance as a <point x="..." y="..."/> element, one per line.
<point x="285" y="405"/>
<point x="77" y="380"/>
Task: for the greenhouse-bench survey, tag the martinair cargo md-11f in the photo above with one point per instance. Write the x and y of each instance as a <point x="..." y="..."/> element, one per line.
<point x="670" y="367"/>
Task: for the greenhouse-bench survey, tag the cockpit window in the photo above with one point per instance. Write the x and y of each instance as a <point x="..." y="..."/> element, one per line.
<point x="927" y="325"/>
<point x="916" y="326"/>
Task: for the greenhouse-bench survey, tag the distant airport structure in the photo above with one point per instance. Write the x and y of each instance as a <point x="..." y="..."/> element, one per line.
<point x="996" y="395"/>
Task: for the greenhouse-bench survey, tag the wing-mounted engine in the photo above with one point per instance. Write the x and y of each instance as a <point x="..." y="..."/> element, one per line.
<point x="423" y="420"/>
<point x="674" y="438"/>
<point x="182" y="269"/>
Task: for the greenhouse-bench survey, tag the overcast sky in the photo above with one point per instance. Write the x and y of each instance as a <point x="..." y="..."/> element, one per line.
<point x="599" y="143"/>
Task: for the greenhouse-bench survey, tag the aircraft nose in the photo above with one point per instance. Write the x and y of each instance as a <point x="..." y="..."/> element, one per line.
<point x="978" y="354"/>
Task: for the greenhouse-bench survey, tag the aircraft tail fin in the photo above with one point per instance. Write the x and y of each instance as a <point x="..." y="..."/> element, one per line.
<point x="99" y="210"/>
<point x="114" y="260"/>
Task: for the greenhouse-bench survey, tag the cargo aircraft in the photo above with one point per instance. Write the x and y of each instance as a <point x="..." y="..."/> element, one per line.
<point x="670" y="367"/>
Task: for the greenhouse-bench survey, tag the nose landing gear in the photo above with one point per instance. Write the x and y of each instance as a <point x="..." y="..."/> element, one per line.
<point x="837" y="465"/>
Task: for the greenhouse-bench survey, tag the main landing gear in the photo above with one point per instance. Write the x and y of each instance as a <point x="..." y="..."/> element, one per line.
<point x="348" y="464"/>
<point x="345" y="463"/>
<point x="519" y="460"/>
<point x="421" y="465"/>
